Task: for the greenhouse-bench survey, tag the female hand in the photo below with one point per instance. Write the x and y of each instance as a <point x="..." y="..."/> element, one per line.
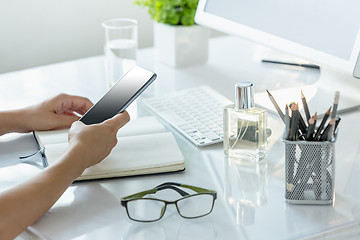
<point x="95" y="142"/>
<point x="55" y="113"/>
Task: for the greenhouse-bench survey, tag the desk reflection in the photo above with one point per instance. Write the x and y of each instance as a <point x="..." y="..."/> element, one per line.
<point x="83" y="208"/>
<point x="140" y="231"/>
<point x="246" y="187"/>
<point x="171" y="229"/>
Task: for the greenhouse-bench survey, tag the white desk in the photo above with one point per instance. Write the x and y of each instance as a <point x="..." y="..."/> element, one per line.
<point x="91" y="210"/>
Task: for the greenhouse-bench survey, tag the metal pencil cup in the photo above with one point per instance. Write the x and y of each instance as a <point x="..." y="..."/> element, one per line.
<point x="309" y="172"/>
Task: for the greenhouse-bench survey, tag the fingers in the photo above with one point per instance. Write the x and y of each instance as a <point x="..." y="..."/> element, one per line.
<point x="65" y="121"/>
<point x="66" y="103"/>
<point x="76" y="127"/>
<point x="115" y="123"/>
<point x="118" y="121"/>
<point x="77" y="124"/>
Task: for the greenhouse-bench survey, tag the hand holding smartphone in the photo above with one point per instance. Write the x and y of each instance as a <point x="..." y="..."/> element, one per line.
<point x="119" y="97"/>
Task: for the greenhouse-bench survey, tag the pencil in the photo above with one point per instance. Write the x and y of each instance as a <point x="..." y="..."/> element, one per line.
<point x="302" y="123"/>
<point x="294" y="122"/>
<point x="310" y="132"/>
<point x="281" y="114"/>
<point x="336" y="102"/>
<point x="315" y="121"/>
<point x="322" y="124"/>
<point x="287" y="122"/>
<point x="326" y="134"/>
<point x="306" y="107"/>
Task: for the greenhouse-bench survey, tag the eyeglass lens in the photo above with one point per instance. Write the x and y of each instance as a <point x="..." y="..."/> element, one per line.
<point x="195" y="206"/>
<point x="151" y="209"/>
<point x="145" y="209"/>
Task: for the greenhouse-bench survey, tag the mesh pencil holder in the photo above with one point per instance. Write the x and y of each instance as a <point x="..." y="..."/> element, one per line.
<point x="309" y="172"/>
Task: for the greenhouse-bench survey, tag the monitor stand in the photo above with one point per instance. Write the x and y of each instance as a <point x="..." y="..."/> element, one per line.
<point x="319" y="95"/>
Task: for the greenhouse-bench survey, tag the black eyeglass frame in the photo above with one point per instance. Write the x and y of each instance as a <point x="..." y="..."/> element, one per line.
<point x="173" y="186"/>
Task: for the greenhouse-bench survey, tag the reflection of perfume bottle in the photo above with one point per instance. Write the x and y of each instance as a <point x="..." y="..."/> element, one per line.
<point x="245" y="126"/>
<point x="245" y="188"/>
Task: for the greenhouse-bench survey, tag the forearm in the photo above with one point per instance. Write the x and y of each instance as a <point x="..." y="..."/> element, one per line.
<point x="24" y="204"/>
<point x="13" y="121"/>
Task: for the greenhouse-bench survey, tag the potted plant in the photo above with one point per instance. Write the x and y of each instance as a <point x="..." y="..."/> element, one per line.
<point x="178" y="41"/>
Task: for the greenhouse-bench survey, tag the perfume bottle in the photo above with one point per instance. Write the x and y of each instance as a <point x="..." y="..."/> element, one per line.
<point x="245" y="126"/>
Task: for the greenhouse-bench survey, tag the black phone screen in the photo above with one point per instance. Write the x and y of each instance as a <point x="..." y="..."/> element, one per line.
<point x="119" y="97"/>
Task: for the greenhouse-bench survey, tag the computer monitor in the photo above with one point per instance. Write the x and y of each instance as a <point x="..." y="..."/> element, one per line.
<point x="323" y="32"/>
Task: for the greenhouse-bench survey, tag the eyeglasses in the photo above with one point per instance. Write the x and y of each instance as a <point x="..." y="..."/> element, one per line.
<point x="143" y="209"/>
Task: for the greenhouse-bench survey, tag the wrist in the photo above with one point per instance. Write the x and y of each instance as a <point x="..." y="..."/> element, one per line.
<point x="13" y="121"/>
<point x="72" y="160"/>
<point x="80" y="154"/>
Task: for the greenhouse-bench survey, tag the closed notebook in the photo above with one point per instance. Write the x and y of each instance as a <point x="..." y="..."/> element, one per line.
<point x="144" y="147"/>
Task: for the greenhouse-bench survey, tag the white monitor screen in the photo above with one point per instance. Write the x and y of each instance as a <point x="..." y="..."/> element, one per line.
<point x="324" y="31"/>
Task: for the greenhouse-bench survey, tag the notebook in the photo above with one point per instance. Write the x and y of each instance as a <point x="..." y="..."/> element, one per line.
<point x="144" y="147"/>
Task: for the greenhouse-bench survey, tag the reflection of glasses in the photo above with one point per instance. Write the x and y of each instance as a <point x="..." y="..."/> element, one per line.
<point x="143" y="209"/>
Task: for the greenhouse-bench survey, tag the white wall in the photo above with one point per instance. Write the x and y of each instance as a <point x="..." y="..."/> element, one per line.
<point x="39" y="32"/>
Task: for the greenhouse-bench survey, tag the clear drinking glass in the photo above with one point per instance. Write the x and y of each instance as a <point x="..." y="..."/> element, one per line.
<point x="121" y="40"/>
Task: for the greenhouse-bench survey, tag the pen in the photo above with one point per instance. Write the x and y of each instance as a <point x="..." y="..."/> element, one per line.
<point x="337" y="121"/>
<point x="306" y="107"/>
<point x="281" y="114"/>
<point x="292" y="64"/>
<point x="330" y="134"/>
<point x="322" y="124"/>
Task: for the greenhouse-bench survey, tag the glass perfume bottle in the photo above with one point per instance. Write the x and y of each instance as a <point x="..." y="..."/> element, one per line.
<point x="245" y="126"/>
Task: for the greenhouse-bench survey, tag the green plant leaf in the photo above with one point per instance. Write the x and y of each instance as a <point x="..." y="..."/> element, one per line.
<point x="173" y="12"/>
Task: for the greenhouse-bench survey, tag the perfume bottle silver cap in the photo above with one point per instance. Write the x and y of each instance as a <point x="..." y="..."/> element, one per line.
<point x="244" y="95"/>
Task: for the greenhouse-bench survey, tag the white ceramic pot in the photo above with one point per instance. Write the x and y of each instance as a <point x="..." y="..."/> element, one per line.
<point x="181" y="46"/>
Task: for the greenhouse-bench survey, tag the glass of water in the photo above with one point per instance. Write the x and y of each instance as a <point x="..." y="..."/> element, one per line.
<point x="120" y="47"/>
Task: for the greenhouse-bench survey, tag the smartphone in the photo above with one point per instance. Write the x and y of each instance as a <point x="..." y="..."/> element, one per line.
<point x="119" y="97"/>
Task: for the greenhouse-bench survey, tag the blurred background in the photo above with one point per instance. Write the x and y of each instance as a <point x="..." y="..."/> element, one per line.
<point x="40" y="32"/>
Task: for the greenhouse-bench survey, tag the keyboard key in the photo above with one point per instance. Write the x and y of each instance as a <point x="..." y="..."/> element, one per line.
<point x="191" y="130"/>
<point x="211" y="135"/>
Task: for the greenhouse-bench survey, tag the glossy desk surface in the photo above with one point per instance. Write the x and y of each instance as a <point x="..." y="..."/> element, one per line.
<point x="91" y="210"/>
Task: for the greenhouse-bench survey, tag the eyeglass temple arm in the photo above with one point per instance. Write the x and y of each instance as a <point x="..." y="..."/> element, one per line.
<point x="181" y="192"/>
<point x="140" y="194"/>
<point x="200" y="190"/>
<point x="152" y="191"/>
<point x="195" y="189"/>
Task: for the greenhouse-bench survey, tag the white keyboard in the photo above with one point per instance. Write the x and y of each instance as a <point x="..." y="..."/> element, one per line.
<point x="197" y="113"/>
